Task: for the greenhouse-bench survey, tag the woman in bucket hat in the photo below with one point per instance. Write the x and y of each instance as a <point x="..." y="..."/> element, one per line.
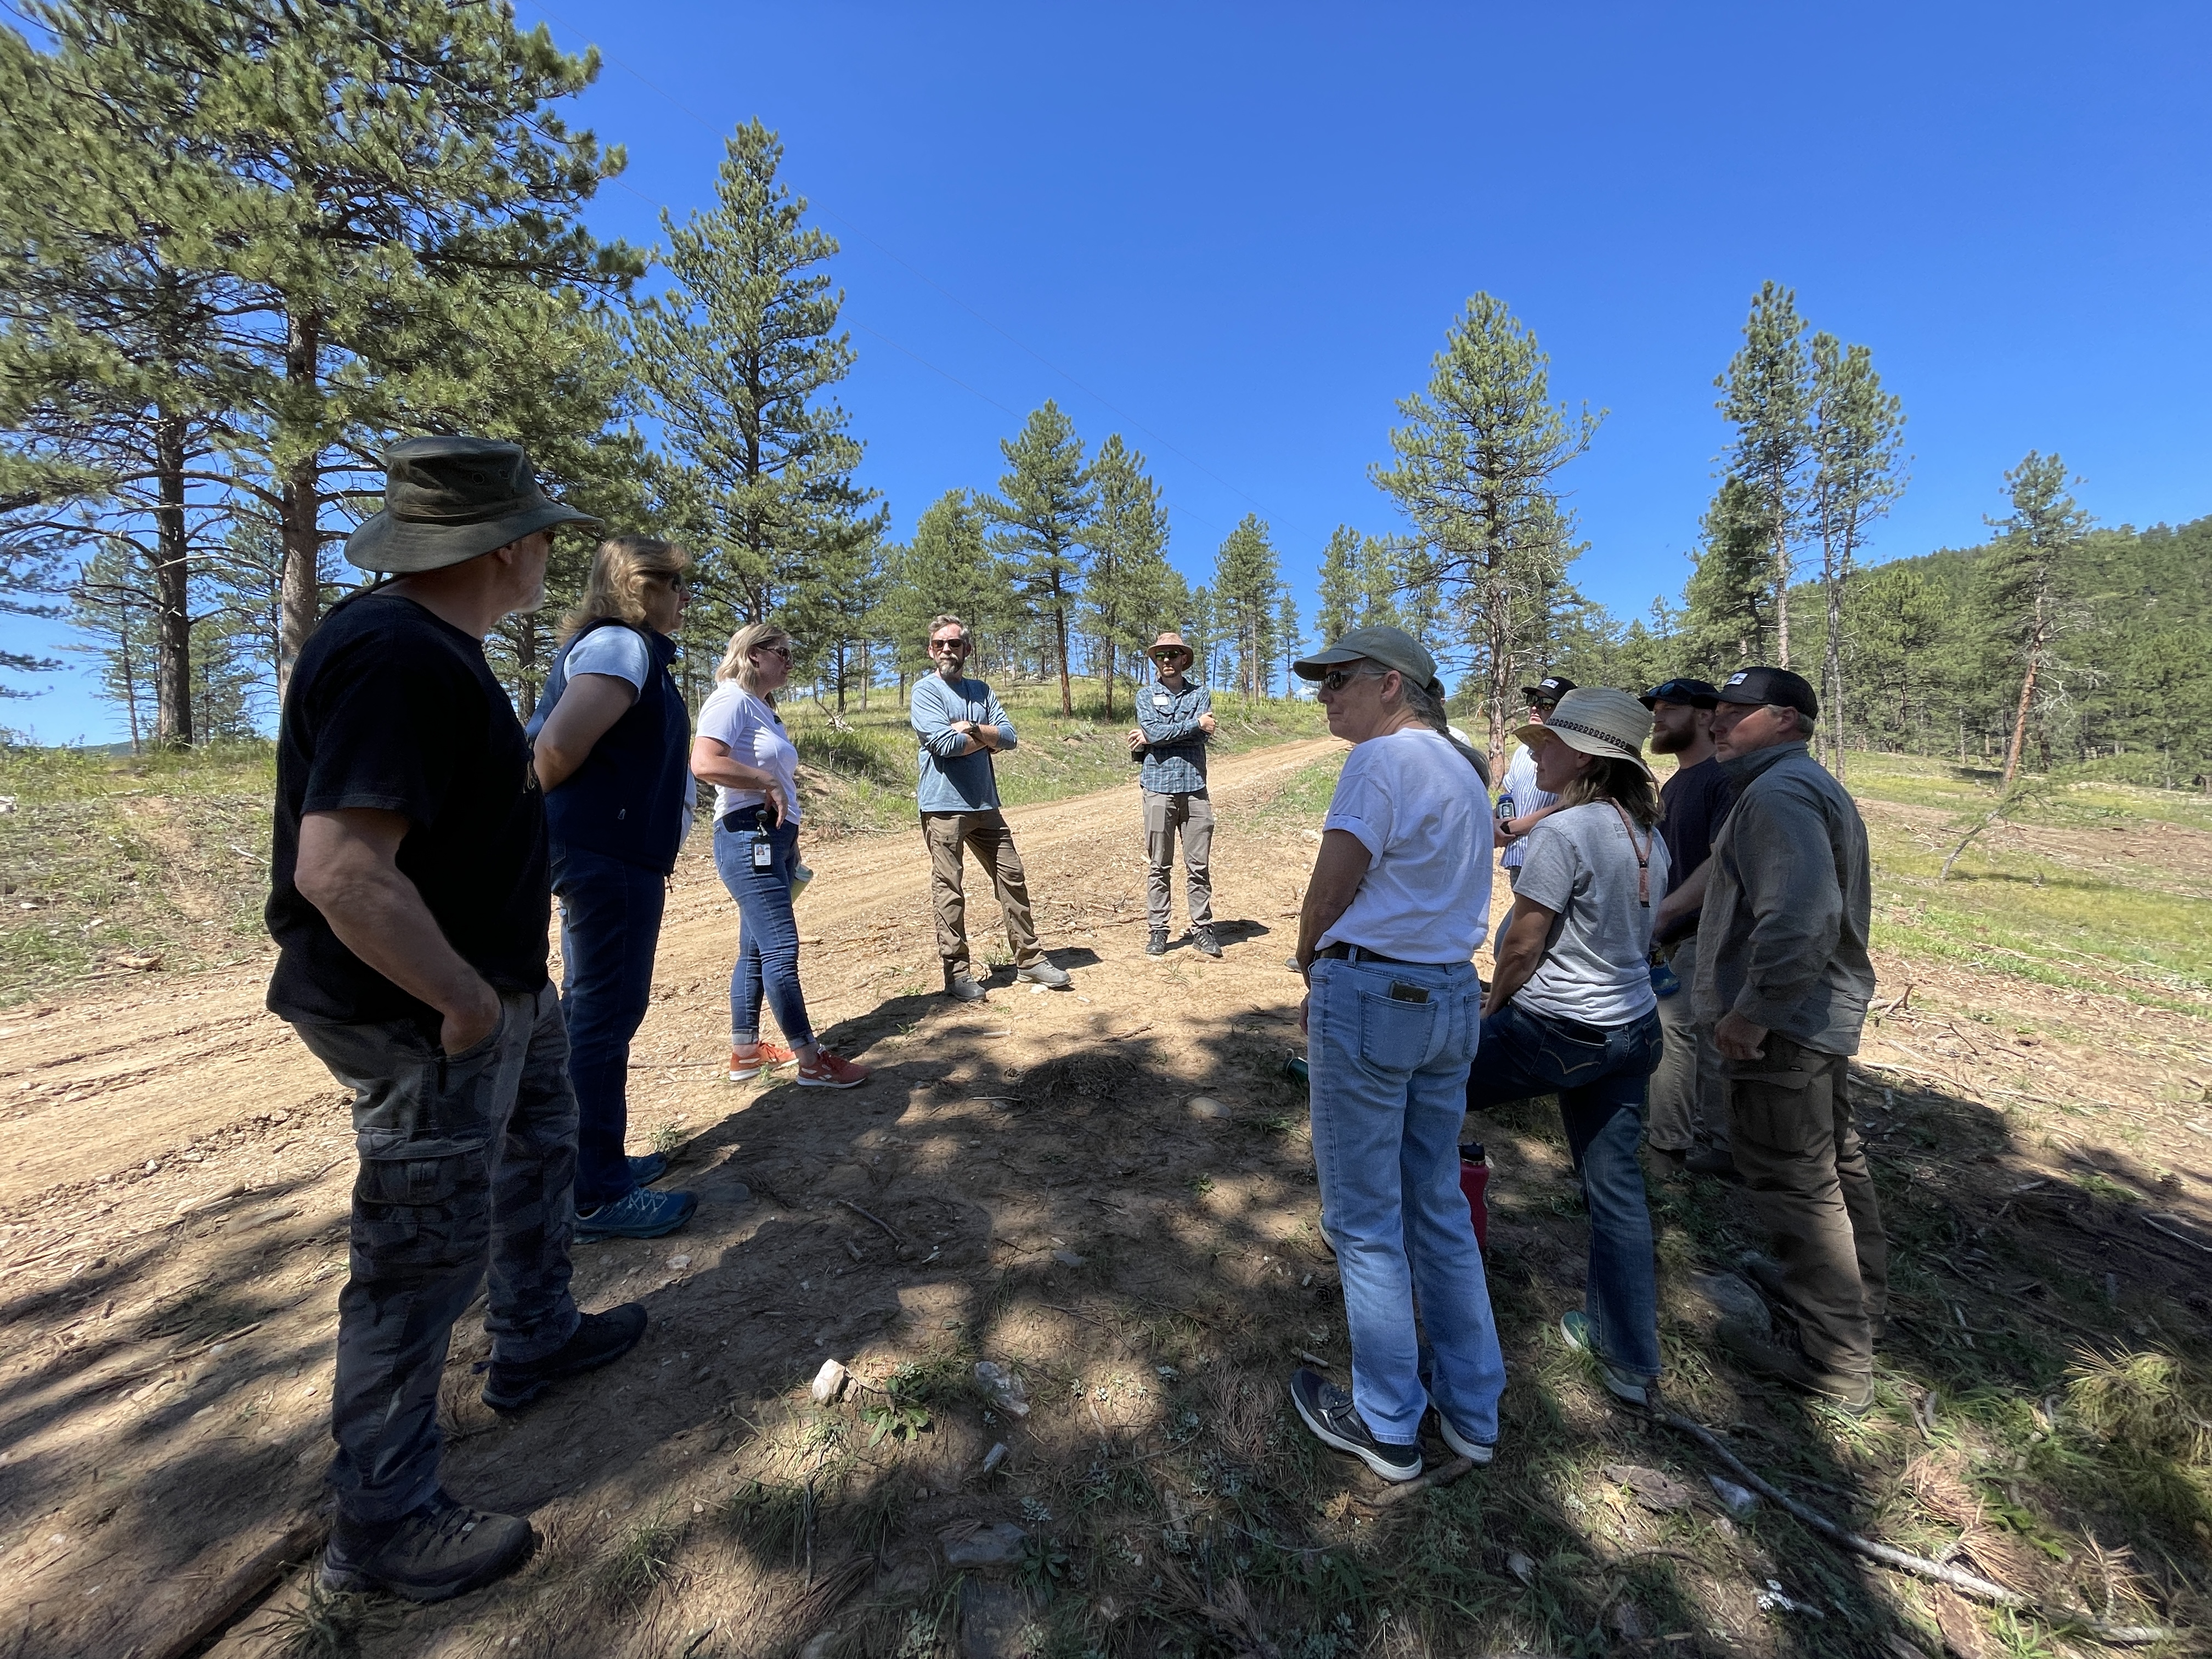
<point x="1571" y="1009"/>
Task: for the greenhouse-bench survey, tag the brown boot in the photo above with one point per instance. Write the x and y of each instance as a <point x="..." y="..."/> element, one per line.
<point x="1853" y="1396"/>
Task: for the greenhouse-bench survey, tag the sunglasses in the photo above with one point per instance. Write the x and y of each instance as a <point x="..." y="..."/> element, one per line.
<point x="782" y="651"/>
<point x="1680" y="691"/>
<point x="1337" y="678"/>
<point x="948" y="645"/>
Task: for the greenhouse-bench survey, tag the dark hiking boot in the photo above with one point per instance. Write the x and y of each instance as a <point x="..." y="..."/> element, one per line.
<point x="1156" y="945"/>
<point x="600" y="1338"/>
<point x="1766" y="1273"/>
<point x="1336" y="1421"/>
<point x="431" y="1553"/>
<point x="1853" y="1396"/>
<point x="958" y="986"/>
<point x="1207" y="944"/>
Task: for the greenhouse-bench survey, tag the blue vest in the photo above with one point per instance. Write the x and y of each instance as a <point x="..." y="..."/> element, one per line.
<point x="626" y="800"/>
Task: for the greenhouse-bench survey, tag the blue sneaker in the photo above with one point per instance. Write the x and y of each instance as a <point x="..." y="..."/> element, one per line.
<point x="641" y="1212"/>
<point x="644" y="1171"/>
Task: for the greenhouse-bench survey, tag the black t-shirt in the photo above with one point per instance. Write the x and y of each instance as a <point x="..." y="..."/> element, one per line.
<point x="389" y="707"/>
<point x="1693" y="804"/>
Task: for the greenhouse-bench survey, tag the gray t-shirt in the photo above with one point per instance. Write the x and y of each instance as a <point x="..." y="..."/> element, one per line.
<point x="1597" y="966"/>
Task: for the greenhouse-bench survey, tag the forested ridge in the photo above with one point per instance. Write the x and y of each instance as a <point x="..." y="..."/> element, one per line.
<point x="244" y="246"/>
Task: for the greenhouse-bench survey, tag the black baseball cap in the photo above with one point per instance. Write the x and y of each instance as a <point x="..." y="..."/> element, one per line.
<point x="1777" y="686"/>
<point x="1553" y="686"/>
<point x="1696" y="693"/>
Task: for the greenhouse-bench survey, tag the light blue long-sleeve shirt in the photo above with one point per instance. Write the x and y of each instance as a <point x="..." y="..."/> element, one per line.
<point x="1174" y="747"/>
<point x="950" y="781"/>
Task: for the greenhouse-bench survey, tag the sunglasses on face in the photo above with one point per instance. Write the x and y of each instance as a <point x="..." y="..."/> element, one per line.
<point x="782" y="651"/>
<point x="1337" y="678"/>
<point x="1677" y="691"/>
<point x="949" y="644"/>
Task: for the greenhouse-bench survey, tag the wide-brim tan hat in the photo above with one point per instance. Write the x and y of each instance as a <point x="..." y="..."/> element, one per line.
<point x="450" y="500"/>
<point x="1597" y="720"/>
<point x="1170" y="640"/>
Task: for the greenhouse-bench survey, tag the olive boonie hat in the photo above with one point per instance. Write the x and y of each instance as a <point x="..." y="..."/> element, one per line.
<point x="1779" y="686"/>
<point x="447" y="501"/>
<point x="1597" y="720"/>
<point x="1393" y="648"/>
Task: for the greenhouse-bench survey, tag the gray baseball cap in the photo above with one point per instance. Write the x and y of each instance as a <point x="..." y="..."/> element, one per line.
<point x="450" y="500"/>
<point x="1391" y="647"/>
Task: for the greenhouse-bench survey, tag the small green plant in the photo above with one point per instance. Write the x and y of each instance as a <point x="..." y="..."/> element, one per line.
<point x="325" y="1624"/>
<point x="1045" y="1564"/>
<point x="643" y="1560"/>
<point x="1200" y="1184"/>
<point x="894" y="1418"/>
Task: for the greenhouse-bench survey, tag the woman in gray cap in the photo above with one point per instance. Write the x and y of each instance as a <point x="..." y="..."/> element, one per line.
<point x="1571" y="1010"/>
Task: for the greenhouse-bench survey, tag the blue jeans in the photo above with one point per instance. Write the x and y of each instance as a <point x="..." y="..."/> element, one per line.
<point x="609" y="924"/>
<point x="767" y="936"/>
<point x="1600" y="1086"/>
<point x="1388" y="1081"/>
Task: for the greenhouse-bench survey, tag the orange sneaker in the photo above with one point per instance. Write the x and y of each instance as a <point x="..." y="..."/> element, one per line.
<point x="831" y="1071"/>
<point x="746" y="1065"/>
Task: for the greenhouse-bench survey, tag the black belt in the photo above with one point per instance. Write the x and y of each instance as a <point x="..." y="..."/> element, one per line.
<point x="743" y="817"/>
<point x="1343" y="952"/>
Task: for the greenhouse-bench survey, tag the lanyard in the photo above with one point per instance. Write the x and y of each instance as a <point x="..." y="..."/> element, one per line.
<point x="1642" y="856"/>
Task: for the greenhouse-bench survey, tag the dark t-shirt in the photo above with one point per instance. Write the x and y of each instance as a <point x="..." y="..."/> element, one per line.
<point x="1693" y="804"/>
<point x="389" y="707"/>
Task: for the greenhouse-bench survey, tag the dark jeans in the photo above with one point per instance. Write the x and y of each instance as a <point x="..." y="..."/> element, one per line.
<point x="1601" y="1086"/>
<point x="609" y="924"/>
<point x="466" y="1163"/>
<point x="767" y="936"/>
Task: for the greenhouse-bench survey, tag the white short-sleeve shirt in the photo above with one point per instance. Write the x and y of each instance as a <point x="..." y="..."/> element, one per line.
<point x="1423" y="815"/>
<point x="755" y="736"/>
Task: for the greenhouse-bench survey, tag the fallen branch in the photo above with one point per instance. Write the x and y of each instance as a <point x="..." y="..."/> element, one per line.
<point x="1443" y="1475"/>
<point x="1966" y="1583"/>
<point x="889" y="1231"/>
<point x="237" y="1589"/>
<point x="1136" y="1030"/>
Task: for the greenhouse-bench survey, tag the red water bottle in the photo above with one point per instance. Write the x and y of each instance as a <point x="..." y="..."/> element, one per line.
<point x="1474" y="1181"/>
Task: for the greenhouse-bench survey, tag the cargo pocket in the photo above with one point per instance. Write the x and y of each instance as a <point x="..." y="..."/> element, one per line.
<point x="421" y="1205"/>
<point x="1772" y="1105"/>
<point x="1395" y="1036"/>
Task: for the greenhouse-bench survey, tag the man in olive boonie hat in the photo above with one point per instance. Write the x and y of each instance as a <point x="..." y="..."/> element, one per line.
<point x="409" y="899"/>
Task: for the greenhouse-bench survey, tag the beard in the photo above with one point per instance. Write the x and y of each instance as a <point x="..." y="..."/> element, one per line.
<point x="1672" y="742"/>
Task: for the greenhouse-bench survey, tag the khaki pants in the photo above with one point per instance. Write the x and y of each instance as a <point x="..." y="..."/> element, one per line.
<point x="1806" y="1174"/>
<point x="947" y="834"/>
<point x="1164" y="815"/>
<point x="1689" y="1096"/>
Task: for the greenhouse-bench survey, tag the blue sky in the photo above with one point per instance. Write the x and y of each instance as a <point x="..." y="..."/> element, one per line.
<point x="1237" y="234"/>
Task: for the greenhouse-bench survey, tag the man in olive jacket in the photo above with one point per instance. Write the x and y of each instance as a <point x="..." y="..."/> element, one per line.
<point x="1783" y="980"/>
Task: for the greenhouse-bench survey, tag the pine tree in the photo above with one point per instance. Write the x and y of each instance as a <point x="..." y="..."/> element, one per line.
<point x="1340" y="595"/>
<point x="947" y="570"/>
<point x="2027" y="583"/>
<point x="1042" y="513"/>
<point x="1377" y="563"/>
<point x="738" y="356"/>
<point x="1125" y="592"/>
<point x="1730" y="596"/>
<point x="1857" y="433"/>
<point x="1289" y="637"/>
<point x="1767" y="396"/>
<point x="1476" y="465"/>
<point x="1247" y="583"/>
<point x="1898" y="623"/>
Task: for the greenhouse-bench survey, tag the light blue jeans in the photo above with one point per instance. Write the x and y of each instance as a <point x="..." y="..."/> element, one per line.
<point x="1388" y="1081"/>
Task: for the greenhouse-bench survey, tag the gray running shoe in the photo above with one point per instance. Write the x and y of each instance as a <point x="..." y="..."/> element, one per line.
<point x="1042" y="972"/>
<point x="1156" y="945"/>
<point x="432" y="1553"/>
<point x="1207" y="944"/>
<point x="958" y="986"/>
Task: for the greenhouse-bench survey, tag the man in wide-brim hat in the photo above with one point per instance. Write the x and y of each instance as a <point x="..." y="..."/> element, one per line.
<point x="409" y="901"/>
<point x="1175" y="717"/>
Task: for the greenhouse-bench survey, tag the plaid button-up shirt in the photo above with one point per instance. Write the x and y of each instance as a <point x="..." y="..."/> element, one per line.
<point x="1175" y="749"/>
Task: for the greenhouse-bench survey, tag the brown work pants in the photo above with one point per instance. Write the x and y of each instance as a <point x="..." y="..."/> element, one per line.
<point x="947" y="834"/>
<point x="1805" y="1170"/>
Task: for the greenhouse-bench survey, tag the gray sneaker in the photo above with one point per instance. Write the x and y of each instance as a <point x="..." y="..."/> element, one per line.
<point x="1156" y="945"/>
<point x="1207" y="944"/>
<point x="1042" y="972"/>
<point x="432" y="1553"/>
<point x="959" y="986"/>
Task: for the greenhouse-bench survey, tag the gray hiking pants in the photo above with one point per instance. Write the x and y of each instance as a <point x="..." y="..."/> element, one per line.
<point x="1165" y="816"/>
<point x="1689" y="1091"/>
<point x="467" y="1164"/>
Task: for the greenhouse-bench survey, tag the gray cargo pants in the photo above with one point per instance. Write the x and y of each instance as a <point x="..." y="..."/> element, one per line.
<point x="1193" y="816"/>
<point x="466" y="1163"/>
<point x="1689" y="1091"/>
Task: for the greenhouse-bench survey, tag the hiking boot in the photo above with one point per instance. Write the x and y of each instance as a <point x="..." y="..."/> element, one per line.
<point x="1481" y="1451"/>
<point x="600" y="1339"/>
<point x="1765" y="1272"/>
<point x="1207" y="944"/>
<point x="438" y="1550"/>
<point x="644" y="1171"/>
<point x="831" y="1071"/>
<point x="641" y="1212"/>
<point x="1042" y="972"/>
<point x="1156" y="945"/>
<point x="1329" y="1412"/>
<point x="1624" y="1385"/>
<point x="750" y="1059"/>
<point x="1711" y="1161"/>
<point x="958" y="986"/>
<point x="1853" y="1396"/>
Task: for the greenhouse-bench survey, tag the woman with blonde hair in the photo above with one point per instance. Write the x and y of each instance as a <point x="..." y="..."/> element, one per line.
<point x="743" y="749"/>
<point x="608" y="741"/>
<point x="1571" y="1010"/>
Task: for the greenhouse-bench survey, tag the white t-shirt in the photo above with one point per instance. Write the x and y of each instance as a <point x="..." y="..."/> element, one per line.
<point x="621" y="653"/>
<point x="1596" y="967"/>
<point x="1521" y="785"/>
<point x="755" y="736"/>
<point x="1424" y="817"/>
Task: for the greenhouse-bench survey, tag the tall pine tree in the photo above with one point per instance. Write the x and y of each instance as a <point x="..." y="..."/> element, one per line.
<point x="1856" y="432"/>
<point x="1340" y="584"/>
<point x="1126" y="591"/>
<point x="1042" y="513"/>
<point x="1766" y="396"/>
<point x="2028" y="588"/>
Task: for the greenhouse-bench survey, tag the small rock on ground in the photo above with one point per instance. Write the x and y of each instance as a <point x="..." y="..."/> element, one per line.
<point x="998" y="1545"/>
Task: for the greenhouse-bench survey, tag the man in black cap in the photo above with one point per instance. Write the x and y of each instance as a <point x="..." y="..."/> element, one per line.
<point x="1784" y="979"/>
<point x="1688" y="1115"/>
<point x="409" y="902"/>
<point x="1521" y="803"/>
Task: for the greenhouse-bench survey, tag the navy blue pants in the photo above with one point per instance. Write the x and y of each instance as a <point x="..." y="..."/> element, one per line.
<point x="609" y="925"/>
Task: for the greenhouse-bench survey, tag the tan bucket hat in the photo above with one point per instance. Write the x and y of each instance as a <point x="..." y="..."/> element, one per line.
<point x="1169" y="640"/>
<point x="1597" y="720"/>
<point x="449" y="500"/>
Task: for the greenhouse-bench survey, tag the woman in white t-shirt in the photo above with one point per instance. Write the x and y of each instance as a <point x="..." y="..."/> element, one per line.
<point x="1571" y="1010"/>
<point x="743" y="749"/>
